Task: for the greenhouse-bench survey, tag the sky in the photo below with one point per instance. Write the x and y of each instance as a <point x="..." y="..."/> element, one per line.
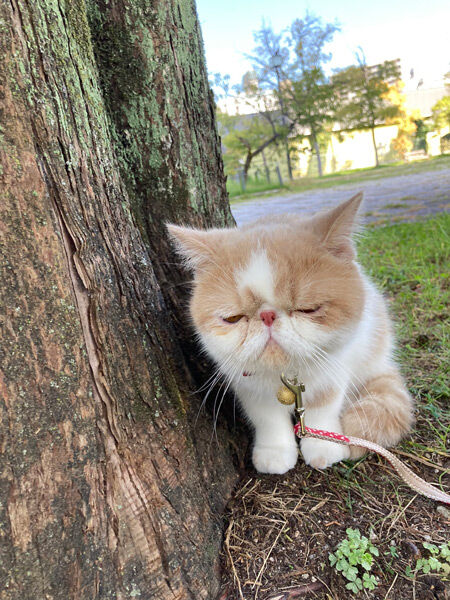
<point x="416" y="31"/>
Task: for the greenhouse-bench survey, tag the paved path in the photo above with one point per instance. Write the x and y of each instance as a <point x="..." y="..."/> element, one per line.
<point x="388" y="199"/>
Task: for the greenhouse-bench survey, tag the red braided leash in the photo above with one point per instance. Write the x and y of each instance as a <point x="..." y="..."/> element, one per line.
<point x="409" y="477"/>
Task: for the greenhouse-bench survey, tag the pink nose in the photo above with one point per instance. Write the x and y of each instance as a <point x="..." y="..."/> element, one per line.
<point x="268" y="316"/>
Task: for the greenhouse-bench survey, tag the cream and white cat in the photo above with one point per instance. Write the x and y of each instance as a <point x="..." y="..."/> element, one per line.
<point x="285" y="294"/>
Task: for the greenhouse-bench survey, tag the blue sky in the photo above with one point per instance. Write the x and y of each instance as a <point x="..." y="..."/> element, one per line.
<point x="412" y="30"/>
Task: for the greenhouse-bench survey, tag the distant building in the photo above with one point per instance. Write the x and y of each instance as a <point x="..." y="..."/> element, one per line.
<point x="350" y="149"/>
<point x="373" y="70"/>
<point x="423" y="100"/>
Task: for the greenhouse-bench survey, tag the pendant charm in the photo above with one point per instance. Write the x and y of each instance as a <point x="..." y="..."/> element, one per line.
<point x="285" y="395"/>
<point x="289" y="393"/>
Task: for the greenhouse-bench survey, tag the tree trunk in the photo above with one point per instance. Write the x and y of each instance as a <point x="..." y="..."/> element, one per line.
<point x="288" y="160"/>
<point x="317" y="151"/>
<point x="246" y="168"/>
<point x="266" y="168"/>
<point x="106" y="489"/>
<point x="377" y="162"/>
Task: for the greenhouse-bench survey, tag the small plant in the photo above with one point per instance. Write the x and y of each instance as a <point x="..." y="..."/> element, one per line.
<point x="393" y="551"/>
<point x="354" y="558"/>
<point x="438" y="561"/>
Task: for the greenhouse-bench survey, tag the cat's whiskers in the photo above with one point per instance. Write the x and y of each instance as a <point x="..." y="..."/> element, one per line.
<point x="216" y="414"/>
<point x="219" y="373"/>
<point x="182" y="283"/>
<point x="311" y="353"/>
<point x="221" y="401"/>
<point x="326" y="359"/>
<point x="216" y="371"/>
<point x="325" y="366"/>
<point x="228" y="374"/>
<point x="322" y="362"/>
<point x="348" y="371"/>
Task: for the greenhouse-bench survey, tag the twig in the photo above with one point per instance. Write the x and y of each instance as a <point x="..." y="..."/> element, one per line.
<point x="400" y="513"/>
<point x="266" y="558"/>
<point x="297" y="591"/>
<point x="392" y="585"/>
<point x="227" y="548"/>
<point x="424" y="461"/>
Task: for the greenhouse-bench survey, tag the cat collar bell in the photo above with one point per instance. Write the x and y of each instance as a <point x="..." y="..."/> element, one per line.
<point x="290" y="392"/>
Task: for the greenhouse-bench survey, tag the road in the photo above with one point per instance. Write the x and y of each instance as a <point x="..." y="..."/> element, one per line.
<point x="386" y="200"/>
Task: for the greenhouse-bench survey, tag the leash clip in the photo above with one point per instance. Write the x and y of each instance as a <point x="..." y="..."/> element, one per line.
<point x="296" y="388"/>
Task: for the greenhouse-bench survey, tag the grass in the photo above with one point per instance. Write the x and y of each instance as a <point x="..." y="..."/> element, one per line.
<point x="282" y="529"/>
<point x="411" y="263"/>
<point x="254" y="186"/>
<point x="398" y="204"/>
<point x="341" y="178"/>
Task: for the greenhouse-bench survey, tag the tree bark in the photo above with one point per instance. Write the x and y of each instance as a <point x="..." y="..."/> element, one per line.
<point x="248" y="159"/>
<point x="377" y="162"/>
<point x="106" y="488"/>
<point x="153" y="76"/>
<point x="317" y="151"/>
<point x="266" y="168"/>
<point x="288" y="160"/>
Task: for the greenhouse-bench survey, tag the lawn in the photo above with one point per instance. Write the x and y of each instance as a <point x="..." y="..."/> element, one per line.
<point x="253" y="187"/>
<point x="344" y="177"/>
<point x="282" y="529"/>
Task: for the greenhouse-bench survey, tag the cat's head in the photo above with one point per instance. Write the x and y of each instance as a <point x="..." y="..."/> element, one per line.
<point x="270" y="295"/>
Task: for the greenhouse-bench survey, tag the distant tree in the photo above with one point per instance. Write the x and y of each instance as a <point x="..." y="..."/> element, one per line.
<point x="309" y="91"/>
<point x="441" y="113"/>
<point x="422" y="128"/>
<point x="311" y="100"/>
<point x="447" y="80"/>
<point x="405" y="120"/>
<point x="292" y="65"/>
<point x="362" y="94"/>
<point x="248" y="135"/>
<point x="269" y="59"/>
<point x="244" y="138"/>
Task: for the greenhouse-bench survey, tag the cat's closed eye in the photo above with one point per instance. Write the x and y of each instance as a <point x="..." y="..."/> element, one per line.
<point x="233" y="318"/>
<point x="308" y="311"/>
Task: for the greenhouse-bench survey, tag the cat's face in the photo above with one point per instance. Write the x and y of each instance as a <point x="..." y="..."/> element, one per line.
<point x="270" y="296"/>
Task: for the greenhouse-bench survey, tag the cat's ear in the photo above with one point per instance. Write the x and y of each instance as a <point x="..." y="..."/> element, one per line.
<point x="196" y="246"/>
<point x="336" y="227"/>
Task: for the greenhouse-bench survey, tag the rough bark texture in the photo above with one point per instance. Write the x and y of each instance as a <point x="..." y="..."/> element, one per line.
<point x="317" y="150"/>
<point x="162" y="121"/>
<point x="375" y="149"/>
<point x="106" y="489"/>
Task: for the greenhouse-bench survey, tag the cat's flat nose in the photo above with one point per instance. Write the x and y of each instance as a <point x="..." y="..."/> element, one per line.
<point x="268" y="316"/>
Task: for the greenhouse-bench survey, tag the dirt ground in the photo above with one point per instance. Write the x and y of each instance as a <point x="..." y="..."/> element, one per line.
<point x="281" y="530"/>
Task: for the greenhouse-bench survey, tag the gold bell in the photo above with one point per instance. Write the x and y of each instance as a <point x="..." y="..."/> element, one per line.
<point x="285" y="395"/>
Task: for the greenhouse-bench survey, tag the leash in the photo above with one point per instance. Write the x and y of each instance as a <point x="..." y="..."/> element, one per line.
<point x="291" y="392"/>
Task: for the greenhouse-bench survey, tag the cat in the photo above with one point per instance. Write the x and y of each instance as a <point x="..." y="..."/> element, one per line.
<point x="285" y="294"/>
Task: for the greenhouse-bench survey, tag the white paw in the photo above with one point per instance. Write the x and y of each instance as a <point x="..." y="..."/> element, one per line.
<point x="321" y="454"/>
<point x="274" y="459"/>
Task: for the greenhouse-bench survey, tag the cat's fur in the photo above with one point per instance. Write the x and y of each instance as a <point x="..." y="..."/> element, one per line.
<point x="342" y="352"/>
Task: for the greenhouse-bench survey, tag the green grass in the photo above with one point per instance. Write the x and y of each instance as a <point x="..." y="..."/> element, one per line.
<point x="411" y="264"/>
<point x="253" y="187"/>
<point x="398" y="204"/>
<point x="344" y="177"/>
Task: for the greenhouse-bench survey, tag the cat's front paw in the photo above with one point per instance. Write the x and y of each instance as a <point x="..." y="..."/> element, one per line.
<point x="274" y="459"/>
<point x="321" y="454"/>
